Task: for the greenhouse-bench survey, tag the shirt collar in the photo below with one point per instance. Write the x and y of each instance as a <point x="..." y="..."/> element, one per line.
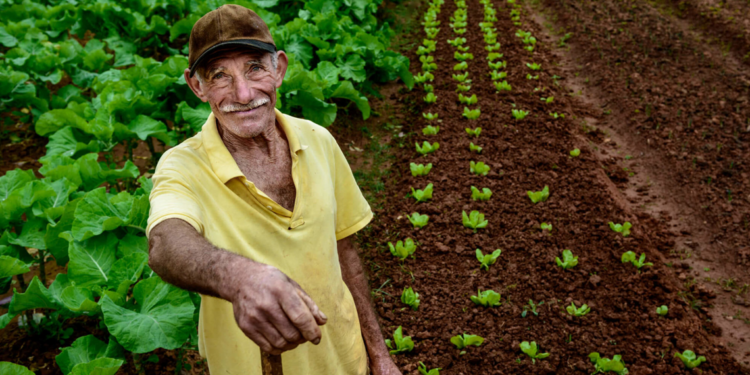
<point x="222" y="161"/>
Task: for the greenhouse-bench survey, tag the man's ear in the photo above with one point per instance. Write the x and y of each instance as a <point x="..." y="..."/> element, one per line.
<point x="282" y="62"/>
<point x="195" y="85"/>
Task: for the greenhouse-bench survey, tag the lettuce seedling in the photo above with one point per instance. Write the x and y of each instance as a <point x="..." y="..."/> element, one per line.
<point x="492" y="47"/>
<point x="545" y="226"/>
<point x="689" y="359"/>
<point x="456" y="42"/>
<point x="575" y="152"/>
<point x="569" y="261"/>
<point x="465" y="340"/>
<point x="402" y="250"/>
<point x="429" y="44"/>
<point x="623" y="228"/>
<point x="461" y="66"/>
<point x="662" y="310"/>
<point x="428" y="87"/>
<point x="475" y="220"/>
<point x="548" y="100"/>
<point x="417" y="220"/>
<point x="410" y="298"/>
<point x="463" y="56"/>
<point x="459" y="31"/>
<point x="420" y="169"/>
<point x="502" y="86"/>
<point x="471" y="114"/>
<point x="531" y="307"/>
<point x="497" y="65"/>
<point x="423" y="51"/>
<point x="402" y="343"/>
<point x="488" y="298"/>
<point x="463" y="88"/>
<point x="490" y="38"/>
<point x="462" y="77"/>
<point x="462" y="48"/>
<point x="430" y="116"/>
<point x="519" y="114"/>
<point x="427" y="147"/>
<point x="430" y="130"/>
<point x="424" y="77"/>
<point x="534" y="66"/>
<point x="468" y="99"/>
<point x="496" y="76"/>
<point x="555" y="115"/>
<point x="430" y="97"/>
<point x="479" y="168"/>
<point x="486" y="260"/>
<point x="422" y="195"/>
<point x="539" y="196"/>
<point x="458" y="25"/>
<point x="529" y="76"/>
<point x="531" y="350"/>
<point x="578" y="311"/>
<point x="431" y="32"/>
<point x="494" y="56"/>
<point x="428" y="63"/>
<point x="483" y="195"/>
<point x="423" y="370"/>
<point x="474" y="132"/>
<point x="638" y="263"/>
<point x="608" y="365"/>
<point x="475" y="148"/>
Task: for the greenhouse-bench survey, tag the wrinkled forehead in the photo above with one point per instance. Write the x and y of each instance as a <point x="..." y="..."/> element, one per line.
<point x="222" y="57"/>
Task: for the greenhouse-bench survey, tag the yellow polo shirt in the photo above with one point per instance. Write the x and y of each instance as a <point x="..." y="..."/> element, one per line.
<point x="198" y="181"/>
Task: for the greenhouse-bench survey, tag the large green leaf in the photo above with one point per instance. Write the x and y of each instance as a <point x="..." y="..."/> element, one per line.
<point x="132" y="244"/>
<point x="32" y="234"/>
<point x="35" y="297"/>
<point x="57" y="119"/>
<point x="7" y="368"/>
<point x="347" y="91"/>
<point x="5" y="319"/>
<point x="99" y="366"/>
<point x="14" y="180"/>
<point x="11" y="266"/>
<point x="79" y="300"/>
<point x="52" y="207"/>
<point x="91" y="260"/>
<point x="144" y="127"/>
<point x="99" y="212"/>
<point x="57" y="245"/>
<point x="163" y="317"/>
<point x="65" y="142"/>
<point x="127" y="269"/>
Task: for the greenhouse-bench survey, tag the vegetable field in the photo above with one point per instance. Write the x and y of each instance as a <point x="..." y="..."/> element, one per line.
<point x="568" y="190"/>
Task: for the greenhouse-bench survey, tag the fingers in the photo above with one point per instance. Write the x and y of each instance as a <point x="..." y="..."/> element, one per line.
<point x="320" y="318"/>
<point x="299" y="314"/>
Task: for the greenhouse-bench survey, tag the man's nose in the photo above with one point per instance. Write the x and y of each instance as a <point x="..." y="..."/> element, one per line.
<point x="243" y="90"/>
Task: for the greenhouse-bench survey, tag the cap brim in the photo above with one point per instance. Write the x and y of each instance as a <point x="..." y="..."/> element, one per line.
<point x="239" y="42"/>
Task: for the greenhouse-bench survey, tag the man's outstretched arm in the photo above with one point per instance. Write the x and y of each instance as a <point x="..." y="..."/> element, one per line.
<point x="354" y="277"/>
<point x="269" y="307"/>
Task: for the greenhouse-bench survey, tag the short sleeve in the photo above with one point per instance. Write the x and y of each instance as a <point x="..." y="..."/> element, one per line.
<point x="171" y="196"/>
<point x="352" y="210"/>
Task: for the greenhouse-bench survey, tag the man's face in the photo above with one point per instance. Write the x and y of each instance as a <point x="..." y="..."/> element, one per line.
<point x="240" y="86"/>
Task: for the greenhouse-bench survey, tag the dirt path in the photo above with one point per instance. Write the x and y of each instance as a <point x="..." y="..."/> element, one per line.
<point x="585" y="196"/>
<point x="689" y="155"/>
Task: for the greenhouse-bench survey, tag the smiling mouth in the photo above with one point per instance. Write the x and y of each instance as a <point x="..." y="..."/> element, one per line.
<point x="248" y="111"/>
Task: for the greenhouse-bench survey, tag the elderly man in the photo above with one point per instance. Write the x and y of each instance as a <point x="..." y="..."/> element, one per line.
<point x="256" y="213"/>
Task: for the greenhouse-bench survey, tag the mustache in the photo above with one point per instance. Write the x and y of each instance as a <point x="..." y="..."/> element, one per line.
<point x="237" y="107"/>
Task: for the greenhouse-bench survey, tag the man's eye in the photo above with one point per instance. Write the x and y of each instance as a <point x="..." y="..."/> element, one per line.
<point x="255" y="68"/>
<point x="218" y="75"/>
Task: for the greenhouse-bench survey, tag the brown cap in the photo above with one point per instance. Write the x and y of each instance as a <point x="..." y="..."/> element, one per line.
<point x="227" y="25"/>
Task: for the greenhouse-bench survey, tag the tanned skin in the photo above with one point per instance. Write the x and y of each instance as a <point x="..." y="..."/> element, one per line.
<point x="269" y="307"/>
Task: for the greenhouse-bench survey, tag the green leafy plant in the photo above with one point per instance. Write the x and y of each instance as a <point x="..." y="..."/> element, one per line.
<point x="488" y="298"/>
<point x="431" y="32"/>
<point x="662" y="310"/>
<point x="462" y="77"/>
<point x="546" y="226"/>
<point x="465" y="340"/>
<point x="529" y="76"/>
<point x="420" y="169"/>
<point x="427" y="147"/>
<point x="403" y="250"/>
<point x="468" y="99"/>
<point x="578" y="311"/>
<point x="531" y="307"/>
<point x="424" y="77"/>
<point x="471" y="114"/>
<point x="534" y="66"/>
<point x="531" y="350"/>
<point x="568" y="261"/>
<point x="475" y="132"/>
<point x="623" y="228"/>
<point x="422" y="195"/>
<point x="495" y="75"/>
<point x="430" y="98"/>
<point x="630" y="256"/>
<point x="479" y="168"/>
<point x="475" y="220"/>
<point x="417" y="220"/>
<point x="428" y="88"/>
<point x="492" y="47"/>
<point x="602" y="365"/>
<point x="430" y="130"/>
<point x="428" y="63"/>
<point x="410" y="298"/>
<point x="475" y="148"/>
<point x="400" y="343"/>
<point x="519" y="114"/>
<point x="539" y="196"/>
<point x="423" y="370"/>
<point x="462" y="48"/>
<point x="463" y="56"/>
<point x="461" y="66"/>
<point x="492" y="56"/>
<point x="456" y="42"/>
<point x="548" y="99"/>
<point x="463" y="88"/>
<point x="483" y="195"/>
<point x="502" y="86"/>
<point x="486" y="260"/>
<point x="555" y="115"/>
<point x="498" y="65"/>
<point x="430" y="116"/>
<point x="575" y="152"/>
<point x="690" y="359"/>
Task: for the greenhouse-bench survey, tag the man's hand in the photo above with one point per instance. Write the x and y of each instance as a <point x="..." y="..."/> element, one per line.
<point x="274" y="311"/>
<point x="384" y="366"/>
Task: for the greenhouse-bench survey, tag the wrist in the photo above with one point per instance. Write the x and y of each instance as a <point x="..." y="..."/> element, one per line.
<point x="239" y="274"/>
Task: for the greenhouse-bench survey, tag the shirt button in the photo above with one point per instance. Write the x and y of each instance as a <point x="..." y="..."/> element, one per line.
<point x="270" y="208"/>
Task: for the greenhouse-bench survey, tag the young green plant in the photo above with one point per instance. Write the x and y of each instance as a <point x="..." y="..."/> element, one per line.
<point x="531" y="350"/>
<point x="568" y="260"/>
<point x="427" y="147"/>
<point x="578" y="311"/>
<point x="488" y="298"/>
<point x="690" y="359"/>
<point x="479" y="168"/>
<point x="404" y="249"/>
<point x="475" y="132"/>
<point x="400" y="343"/>
<point x="539" y="196"/>
<point x="623" y="228"/>
<point x="630" y="256"/>
<point x="486" y="260"/>
<point x="602" y="365"/>
<point x="662" y="310"/>
<point x="475" y="148"/>
<point x="417" y="220"/>
<point x="466" y="340"/>
<point x="475" y="220"/>
<point x="420" y="169"/>
<point x="430" y="130"/>
<point x="483" y="195"/>
<point x="410" y="298"/>
<point x="422" y="195"/>
<point x="471" y="114"/>
<point x="423" y="370"/>
<point x="531" y="307"/>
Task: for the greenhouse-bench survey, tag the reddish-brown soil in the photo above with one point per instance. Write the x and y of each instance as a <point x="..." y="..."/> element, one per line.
<point x="527" y="155"/>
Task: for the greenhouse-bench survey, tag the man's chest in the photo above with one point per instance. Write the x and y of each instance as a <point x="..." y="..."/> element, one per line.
<point x="274" y="179"/>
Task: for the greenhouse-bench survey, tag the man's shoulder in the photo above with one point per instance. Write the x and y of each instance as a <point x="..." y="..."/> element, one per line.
<point x="189" y="153"/>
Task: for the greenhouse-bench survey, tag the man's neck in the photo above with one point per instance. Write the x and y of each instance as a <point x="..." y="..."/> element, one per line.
<point x="263" y="147"/>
